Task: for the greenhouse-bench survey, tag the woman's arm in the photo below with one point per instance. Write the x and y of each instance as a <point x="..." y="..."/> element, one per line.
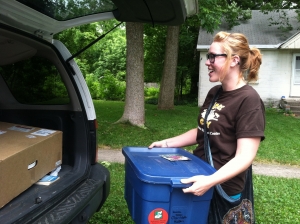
<point x="186" y="139"/>
<point x="245" y="154"/>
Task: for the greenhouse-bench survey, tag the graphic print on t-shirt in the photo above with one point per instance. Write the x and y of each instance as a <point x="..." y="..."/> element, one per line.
<point x="213" y="116"/>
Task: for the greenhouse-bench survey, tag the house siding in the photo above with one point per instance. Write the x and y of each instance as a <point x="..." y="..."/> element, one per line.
<point x="274" y="76"/>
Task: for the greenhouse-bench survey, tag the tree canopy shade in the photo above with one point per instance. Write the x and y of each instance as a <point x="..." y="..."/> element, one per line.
<point x="211" y="14"/>
<point x="105" y="63"/>
<point x="272" y="6"/>
<point x="266" y="5"/>
<point x="108" y="56"/>
<point x="69" y="9"/>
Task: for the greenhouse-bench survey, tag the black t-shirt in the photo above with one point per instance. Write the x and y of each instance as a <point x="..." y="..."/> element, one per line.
<point x="236" y="114"/>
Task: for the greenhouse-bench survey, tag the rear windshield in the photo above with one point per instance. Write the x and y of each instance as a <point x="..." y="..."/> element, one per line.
<point x="69" y="9"/>
<point x="35" y="81"/>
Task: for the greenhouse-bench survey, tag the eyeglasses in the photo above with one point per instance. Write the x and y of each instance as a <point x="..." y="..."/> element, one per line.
<point x="211" y="57"/>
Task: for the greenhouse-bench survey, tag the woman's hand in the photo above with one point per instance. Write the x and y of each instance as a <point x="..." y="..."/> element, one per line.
<point x="160" y="144"/>
<point x="245" y="154"/>
<point x="185" y="139"/>
<point x="201" y="184"/>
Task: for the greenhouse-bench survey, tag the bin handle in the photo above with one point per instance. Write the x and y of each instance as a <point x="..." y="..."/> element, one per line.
<point x="176" y="183"/>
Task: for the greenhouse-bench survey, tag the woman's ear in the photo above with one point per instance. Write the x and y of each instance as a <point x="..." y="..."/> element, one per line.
<point x="235" y="61"/>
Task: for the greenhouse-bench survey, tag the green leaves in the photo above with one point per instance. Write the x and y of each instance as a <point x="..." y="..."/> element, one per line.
<point x="213" y="12"/>
<point x="106" y="56"/>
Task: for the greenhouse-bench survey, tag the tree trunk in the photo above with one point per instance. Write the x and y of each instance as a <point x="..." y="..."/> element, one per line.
<point x="134" y="111"/>
<point x="167" y="85"/>
<point x="195" y="75"/>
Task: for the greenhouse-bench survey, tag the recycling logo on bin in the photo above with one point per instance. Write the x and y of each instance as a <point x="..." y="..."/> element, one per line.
<point x="158" y="216"/>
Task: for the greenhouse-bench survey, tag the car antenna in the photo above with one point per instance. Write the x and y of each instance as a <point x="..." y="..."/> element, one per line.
<point x="93" y="42"/>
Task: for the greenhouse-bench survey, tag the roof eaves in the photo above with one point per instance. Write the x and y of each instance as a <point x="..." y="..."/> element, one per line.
<point x="289" y="40"/>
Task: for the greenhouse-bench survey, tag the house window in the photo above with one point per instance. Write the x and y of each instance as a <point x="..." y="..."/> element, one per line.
<point x="297" y="71"/>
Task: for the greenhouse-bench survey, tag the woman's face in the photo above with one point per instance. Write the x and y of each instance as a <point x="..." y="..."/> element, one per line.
<point x="215" y="68"/>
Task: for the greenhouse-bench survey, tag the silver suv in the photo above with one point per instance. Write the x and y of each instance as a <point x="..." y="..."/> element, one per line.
<point x="42" y="86"/>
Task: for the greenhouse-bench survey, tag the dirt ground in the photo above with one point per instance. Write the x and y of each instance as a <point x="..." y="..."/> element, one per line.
<point x="276" y="170"/>
<point x="111" y="155"/>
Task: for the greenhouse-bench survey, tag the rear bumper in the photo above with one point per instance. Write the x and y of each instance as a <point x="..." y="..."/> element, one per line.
<point x="83" y="202"/>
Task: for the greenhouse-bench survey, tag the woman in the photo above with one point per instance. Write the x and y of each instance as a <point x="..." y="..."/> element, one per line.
<point x="236" y="122"/>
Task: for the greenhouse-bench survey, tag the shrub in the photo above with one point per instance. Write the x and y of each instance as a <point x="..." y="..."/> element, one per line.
<point x="151" y="92"/>
<point x="111" y="88"/>
<point x="106" y="88"/>
<point x="94" y="86"/>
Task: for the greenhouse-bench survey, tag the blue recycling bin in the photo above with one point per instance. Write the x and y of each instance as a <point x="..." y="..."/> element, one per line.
<point x="153" y="190"/>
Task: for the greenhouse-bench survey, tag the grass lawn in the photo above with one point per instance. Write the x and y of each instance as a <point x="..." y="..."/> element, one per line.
<point x="277" y="200"/>
<point x="280" y="146"/>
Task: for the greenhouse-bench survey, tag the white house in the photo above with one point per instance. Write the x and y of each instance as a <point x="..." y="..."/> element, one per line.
<point x="279" y="73"/>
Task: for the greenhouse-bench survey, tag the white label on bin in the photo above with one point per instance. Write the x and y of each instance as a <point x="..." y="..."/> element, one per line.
<point x="43" y="132"/>
<point x="175" y="157"/>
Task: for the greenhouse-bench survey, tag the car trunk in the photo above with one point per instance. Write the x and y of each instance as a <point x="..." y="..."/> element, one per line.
<point x="39" y="88"/>
<point x="66" y="115"/>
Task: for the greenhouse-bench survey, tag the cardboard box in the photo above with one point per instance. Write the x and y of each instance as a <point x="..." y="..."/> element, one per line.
<point x="26" y="155"/>
<point x="153" y="190"/>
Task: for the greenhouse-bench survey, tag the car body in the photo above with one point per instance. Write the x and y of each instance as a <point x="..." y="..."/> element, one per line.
<point x="42" y="86"/>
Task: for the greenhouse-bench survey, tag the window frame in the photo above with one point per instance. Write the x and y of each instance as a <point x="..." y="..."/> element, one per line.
<point x="295" y="79"/>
